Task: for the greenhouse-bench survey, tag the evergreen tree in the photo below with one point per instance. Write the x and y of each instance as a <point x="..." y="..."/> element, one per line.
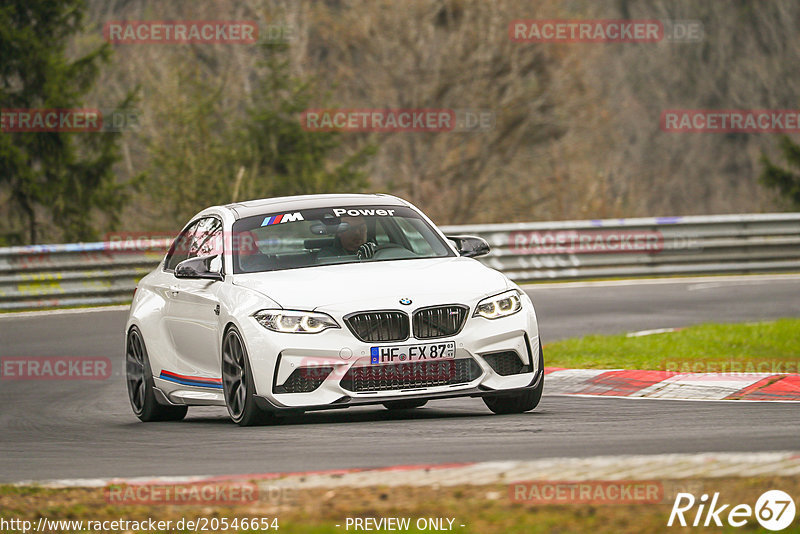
<point x="204" y="157"/>
<point x="63" y="178"/>
<point x="786" y="181"/>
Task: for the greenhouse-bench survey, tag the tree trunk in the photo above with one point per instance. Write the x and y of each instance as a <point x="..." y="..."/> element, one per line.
<point x="31" y="216"/>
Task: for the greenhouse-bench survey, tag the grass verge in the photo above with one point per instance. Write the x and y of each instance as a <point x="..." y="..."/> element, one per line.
<point x="481" y="509"/>
<point x="772" y="346"/>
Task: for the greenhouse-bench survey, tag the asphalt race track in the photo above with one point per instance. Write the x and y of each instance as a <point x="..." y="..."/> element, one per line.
<point x="63" y="429"/>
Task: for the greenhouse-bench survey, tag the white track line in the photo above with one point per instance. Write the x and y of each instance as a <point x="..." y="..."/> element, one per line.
<point x="658" y="281"/>
<point x="590" y="396"/>
<point x="65" y="311"/>
<point x="753" y="278"/>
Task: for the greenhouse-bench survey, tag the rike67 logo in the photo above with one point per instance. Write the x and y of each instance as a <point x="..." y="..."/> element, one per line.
<point x="774" y="510"/>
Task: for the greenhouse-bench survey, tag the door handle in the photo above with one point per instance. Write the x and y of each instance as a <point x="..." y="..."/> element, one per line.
<point x="174" y="290"/>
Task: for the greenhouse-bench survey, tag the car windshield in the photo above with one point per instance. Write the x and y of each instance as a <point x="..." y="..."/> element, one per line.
<point x="336" y="235"/>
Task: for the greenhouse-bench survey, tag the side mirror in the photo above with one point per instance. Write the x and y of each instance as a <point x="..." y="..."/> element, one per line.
<point x="470" y="246"/>
<point x="197" y="268"/>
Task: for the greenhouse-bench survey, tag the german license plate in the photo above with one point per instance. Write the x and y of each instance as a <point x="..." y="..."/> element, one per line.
<point x="413" y="353"/>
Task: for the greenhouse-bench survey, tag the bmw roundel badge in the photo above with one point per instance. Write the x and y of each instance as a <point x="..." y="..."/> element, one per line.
<point x="405" y="301"/>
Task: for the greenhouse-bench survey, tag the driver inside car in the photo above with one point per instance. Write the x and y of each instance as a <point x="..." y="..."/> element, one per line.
<point x="352" y="239"/>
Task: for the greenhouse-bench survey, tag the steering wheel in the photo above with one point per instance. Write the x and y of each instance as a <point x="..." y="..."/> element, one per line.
<point x="370" y="249"/>
<point x="385" y="251"/>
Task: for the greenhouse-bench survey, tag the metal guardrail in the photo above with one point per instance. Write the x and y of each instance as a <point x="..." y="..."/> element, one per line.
<point x="652" y="246"/>
<point x="80" y="274"/>
<point x="43" y="276"/>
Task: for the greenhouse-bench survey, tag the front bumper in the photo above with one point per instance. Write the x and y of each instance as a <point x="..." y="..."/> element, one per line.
<point x="265" y="403"/>
<point x="274" y="357"/>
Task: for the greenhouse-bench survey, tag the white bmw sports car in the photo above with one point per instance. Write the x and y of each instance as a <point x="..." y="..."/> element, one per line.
<point x="291" y="304"/>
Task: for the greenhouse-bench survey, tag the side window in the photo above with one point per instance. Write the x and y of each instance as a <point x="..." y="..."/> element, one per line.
<point x="203" y="238"/>
<point x="207" y="238"/>
<point x="179" y="250"/>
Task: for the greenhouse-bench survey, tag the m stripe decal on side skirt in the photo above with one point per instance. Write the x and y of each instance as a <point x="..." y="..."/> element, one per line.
<point x="197" y="381"/>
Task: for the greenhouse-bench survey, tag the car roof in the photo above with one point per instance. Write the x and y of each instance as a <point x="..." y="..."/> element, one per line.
<point x="249" y="208"/>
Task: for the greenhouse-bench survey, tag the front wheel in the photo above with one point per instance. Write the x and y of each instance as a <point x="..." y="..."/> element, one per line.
<point x="519" y="402"/>
<point x="237" y="383"/>
<point x="140" y="384"/>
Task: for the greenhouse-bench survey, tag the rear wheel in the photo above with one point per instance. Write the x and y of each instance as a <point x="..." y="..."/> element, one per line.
<point x="520" y="402"/>
<point x="141" y="386"/>
<point x="404" y="404"/>
<point x="238" y="385"/>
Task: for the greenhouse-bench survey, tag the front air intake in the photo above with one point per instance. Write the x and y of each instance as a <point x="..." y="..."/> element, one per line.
<point x="410" y="375"/>
<point x="304" y="380"/>
<point x="506" y="363"/>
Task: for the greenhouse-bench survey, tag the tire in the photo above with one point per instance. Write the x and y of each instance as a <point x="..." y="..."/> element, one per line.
<point x="404" y="404"/>
<point x="520" y="402"/>
<point x="139" y="379"/>
<point x="237" y="383"/>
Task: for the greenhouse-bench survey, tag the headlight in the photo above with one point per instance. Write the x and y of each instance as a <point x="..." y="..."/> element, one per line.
<point x="501" y="305"/>
<point x="297" y="322"/>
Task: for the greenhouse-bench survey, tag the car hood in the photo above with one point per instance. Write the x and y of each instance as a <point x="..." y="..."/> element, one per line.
<point x="379" y="285"/>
